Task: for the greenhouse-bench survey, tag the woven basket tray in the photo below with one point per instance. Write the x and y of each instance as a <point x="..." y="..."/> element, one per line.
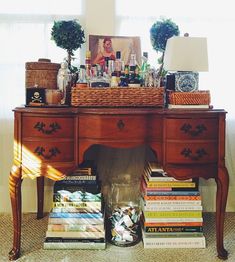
<point x="118" y="96"/>
<point x="189" y="98"/>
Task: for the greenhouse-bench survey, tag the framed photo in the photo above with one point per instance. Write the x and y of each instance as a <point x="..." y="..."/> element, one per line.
<point x="106" y="46"/>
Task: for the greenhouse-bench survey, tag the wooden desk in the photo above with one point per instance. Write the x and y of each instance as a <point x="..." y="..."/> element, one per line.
<point x="50" y="141"/>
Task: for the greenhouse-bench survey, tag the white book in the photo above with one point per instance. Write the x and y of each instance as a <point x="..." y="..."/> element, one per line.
<point x="80" y="221"/>
<point x="171" y="106"/>
<point x="75" y="227"/>
<point x="73" y="245"/>
<point x="175" y="242"/>
<point x="75" y="234"/>
<point x="145" y="207"/>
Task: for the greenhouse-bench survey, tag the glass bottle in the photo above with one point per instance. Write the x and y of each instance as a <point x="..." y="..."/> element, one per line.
<point x="118" y="64"/>
<point x="82" y="77"/>
<point x="88" y="64"/>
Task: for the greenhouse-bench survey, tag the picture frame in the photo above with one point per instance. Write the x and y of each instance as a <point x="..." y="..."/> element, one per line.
<point x="125" y="44"/>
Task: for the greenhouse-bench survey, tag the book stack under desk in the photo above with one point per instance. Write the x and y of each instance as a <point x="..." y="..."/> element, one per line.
<point x="171" y="210"/>
<point x="76" y="220"/>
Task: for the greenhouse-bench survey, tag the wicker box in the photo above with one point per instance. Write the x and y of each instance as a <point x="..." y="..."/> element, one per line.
<point x="42" y="74"/>
<point x="189" y="98"/>
<point x="118" y="96"/>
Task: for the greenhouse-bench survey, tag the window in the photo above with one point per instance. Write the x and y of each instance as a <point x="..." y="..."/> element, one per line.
<point x="25" y="29"/>
<point x="201" y="18"/>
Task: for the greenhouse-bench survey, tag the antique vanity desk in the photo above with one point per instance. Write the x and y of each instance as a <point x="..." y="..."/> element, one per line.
<point x="50" y="141"/>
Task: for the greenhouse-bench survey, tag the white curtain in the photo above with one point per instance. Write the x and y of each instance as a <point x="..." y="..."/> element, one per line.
<point x="212" y="19"/>
<point x="25" y="33"/>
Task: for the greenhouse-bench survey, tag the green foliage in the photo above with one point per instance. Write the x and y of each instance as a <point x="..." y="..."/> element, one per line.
<point x="161" y="31"/>
<point x="68" y="35"/>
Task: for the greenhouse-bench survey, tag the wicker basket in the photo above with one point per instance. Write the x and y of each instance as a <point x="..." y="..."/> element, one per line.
<point x="189" y="98"/>
<point x="42" y="73"/>
<point x="118" y="96"/>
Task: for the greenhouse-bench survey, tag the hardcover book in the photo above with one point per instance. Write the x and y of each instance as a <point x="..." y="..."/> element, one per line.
<point x="75" y="234"/>
<point x="78" y="205"/>
<point x="173" y="214"/>
<point x="75" y="227"/>
<point x="75" y="210"/>
<point x="173" y="229"/>
<point x="174" y="242"/>
<point x="75" y="215"/>
<point x="73" y="243"/>
<point x="79" y="221"/>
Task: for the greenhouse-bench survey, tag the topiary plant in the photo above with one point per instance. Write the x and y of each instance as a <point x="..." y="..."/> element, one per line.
<point x="68" y="35"/>
<point x="160" y="32"/>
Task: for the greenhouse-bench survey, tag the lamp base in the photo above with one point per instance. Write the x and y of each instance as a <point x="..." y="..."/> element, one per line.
<point x="186" y="81"/>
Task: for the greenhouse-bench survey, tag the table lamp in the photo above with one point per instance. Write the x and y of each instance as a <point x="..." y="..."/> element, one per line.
<point x="186" y="56"/>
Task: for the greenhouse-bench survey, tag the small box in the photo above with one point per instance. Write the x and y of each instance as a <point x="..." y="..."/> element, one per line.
<point x="35" y="96"/>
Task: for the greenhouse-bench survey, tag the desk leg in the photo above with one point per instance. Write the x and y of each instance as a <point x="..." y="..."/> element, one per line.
<point x="221" y="200"/>
<point x="15" y="195"/>
<point x="40" y="196"/>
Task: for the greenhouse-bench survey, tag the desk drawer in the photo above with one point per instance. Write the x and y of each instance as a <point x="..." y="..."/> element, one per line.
<point x="45" y="127"/>
<point x="191" y="128"/>
<point x="190" y="152"/>
<point x="48" y="151"/>
<point x="115" y="127"/>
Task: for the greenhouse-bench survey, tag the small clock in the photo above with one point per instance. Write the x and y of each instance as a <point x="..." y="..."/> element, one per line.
<point x="186" y="81"/>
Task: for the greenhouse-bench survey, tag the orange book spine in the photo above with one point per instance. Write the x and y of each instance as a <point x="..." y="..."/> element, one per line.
<point x="160" y="198"/>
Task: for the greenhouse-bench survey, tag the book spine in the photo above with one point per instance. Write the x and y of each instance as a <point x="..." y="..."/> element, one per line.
<point x="74" y="227"/>
<point x="75" y="215"/>
<point x="150" y="192"/>
<point x="57" y="197"/>
<point x="73" y="240"/>
<point x="75" y="182"/>
<point x="173" y="234"/>
<point x="145" y="189"/>
<point x="77" y="204"/>
<point x="190" y="242"/>
<point x="80" y="221"/>
<point x="80" y="177"/>
<point x="73" y="188"/>
<point x="173" y="224"/>
<point x="171" y="184"/>
<point x="161" y="198"/>
<point x="75" y="234"/>
<point x="75" y="210"/>
<point x="173" y="219"/>
<point x="172" y="214"/>
<point x="73" y="245"/>
<point x="153" y="203"/>
<point x="173" y="229"/>
<point x="171" y="208"/>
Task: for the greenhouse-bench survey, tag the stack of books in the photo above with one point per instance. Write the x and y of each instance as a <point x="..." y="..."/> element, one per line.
<point x="76" y="220"/>
<point x="171" y="211"/>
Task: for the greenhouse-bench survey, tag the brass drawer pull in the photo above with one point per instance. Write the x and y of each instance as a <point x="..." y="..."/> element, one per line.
<point x="187" y="153"/>
<point x="187" y="129"/>
<point x="120" y="125"/>
<point x="53" y="127"/>
<point x="40" y="151"/>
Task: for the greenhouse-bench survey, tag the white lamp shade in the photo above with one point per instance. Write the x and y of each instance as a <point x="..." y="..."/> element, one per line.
<point x="186" y="54"/>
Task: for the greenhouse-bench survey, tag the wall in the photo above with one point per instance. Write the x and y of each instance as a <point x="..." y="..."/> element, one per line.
<point x="99" y="20"/>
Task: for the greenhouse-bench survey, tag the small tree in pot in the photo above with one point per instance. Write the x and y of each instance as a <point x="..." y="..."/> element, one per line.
<point x="160" y="32"/>
<point x="68" y="35"/>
